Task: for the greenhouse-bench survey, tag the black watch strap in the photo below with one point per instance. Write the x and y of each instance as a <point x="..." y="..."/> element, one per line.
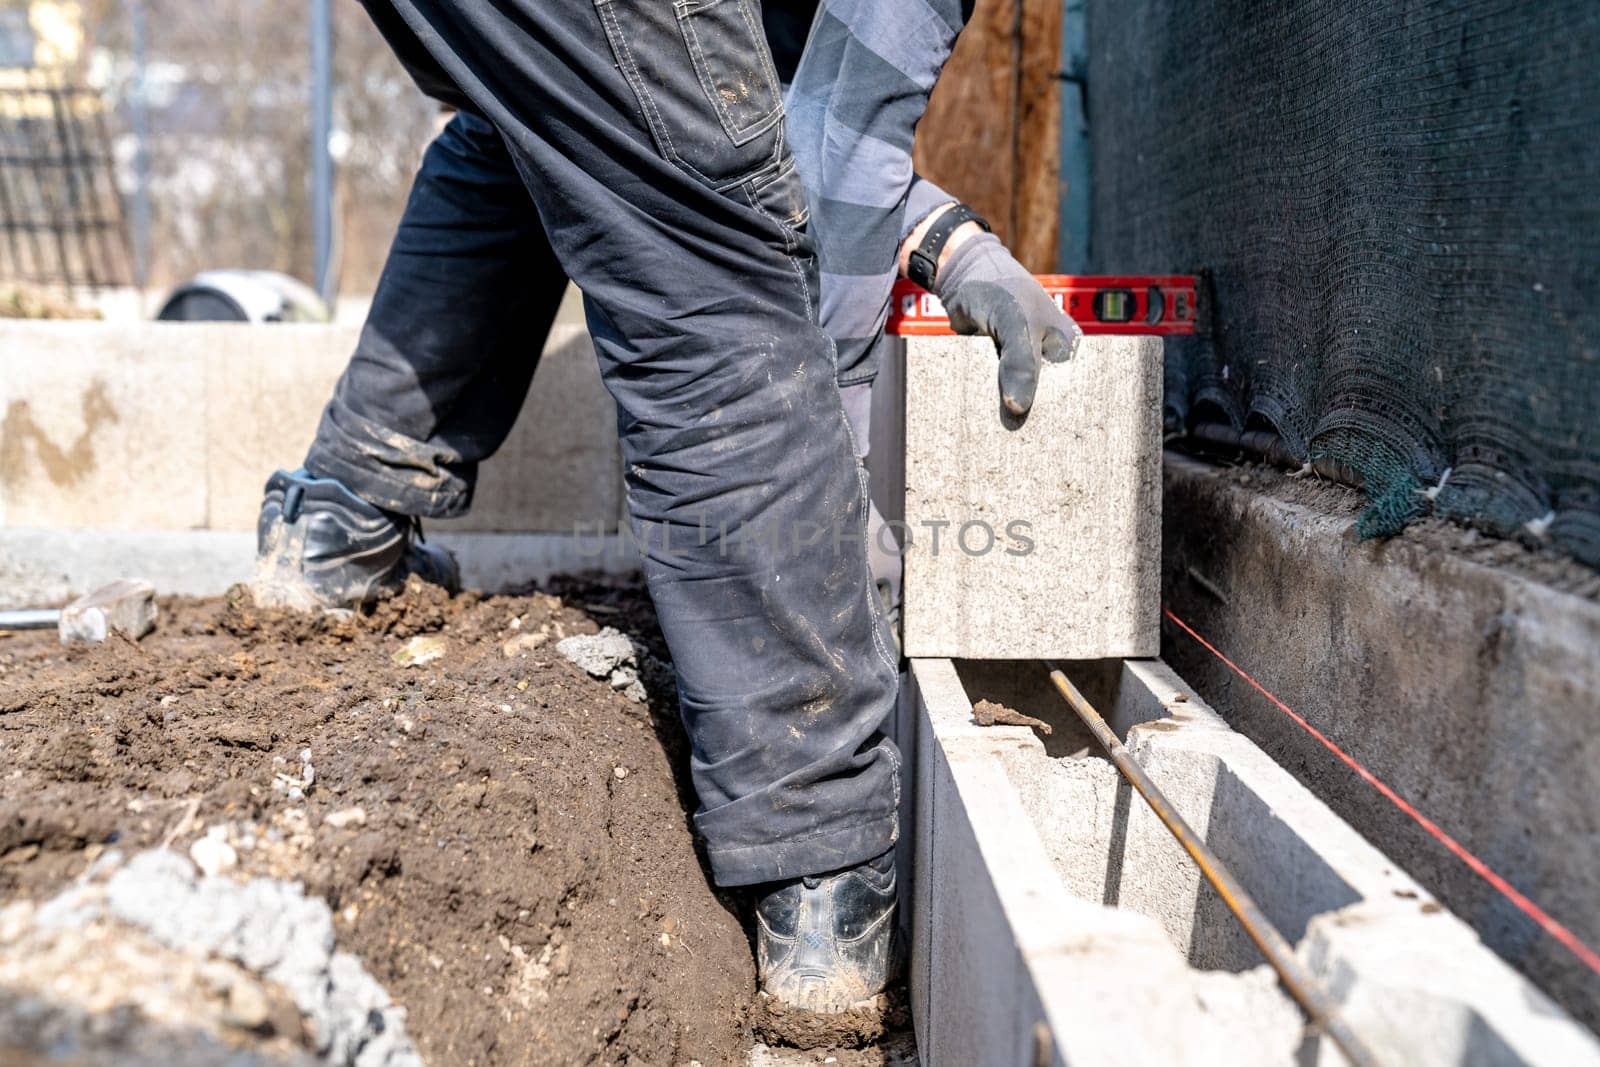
<point x="923" y="264"/>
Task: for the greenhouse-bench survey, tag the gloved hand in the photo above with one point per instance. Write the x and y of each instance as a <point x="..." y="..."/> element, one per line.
<point x="985" y="290"/>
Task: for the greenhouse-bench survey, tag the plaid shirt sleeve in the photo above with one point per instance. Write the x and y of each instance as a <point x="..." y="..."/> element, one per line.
<point x="860" y="89"/>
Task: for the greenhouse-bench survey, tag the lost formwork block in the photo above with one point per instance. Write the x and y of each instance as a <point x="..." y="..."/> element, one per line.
<point x="1007" y="967"/>
<point x="1038" y="537"/>
<point x="1410" y="977"/>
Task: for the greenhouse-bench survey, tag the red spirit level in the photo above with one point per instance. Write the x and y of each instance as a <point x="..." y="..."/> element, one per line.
<point x="1112" y="303"/>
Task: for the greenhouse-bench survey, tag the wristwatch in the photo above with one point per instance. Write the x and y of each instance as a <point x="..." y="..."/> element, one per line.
<point x="922" y="265"/>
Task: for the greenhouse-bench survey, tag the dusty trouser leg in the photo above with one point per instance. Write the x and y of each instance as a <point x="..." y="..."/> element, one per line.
<point x="884" y="550"/>
<point x="663" y="181"/>
<point x="454" y="334"/>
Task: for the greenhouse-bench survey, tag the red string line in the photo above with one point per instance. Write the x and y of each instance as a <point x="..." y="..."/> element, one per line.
<point x="1568" y="939"/>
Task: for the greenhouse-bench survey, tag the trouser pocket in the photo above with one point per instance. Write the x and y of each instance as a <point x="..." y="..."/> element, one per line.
<point x="704" y="80"/>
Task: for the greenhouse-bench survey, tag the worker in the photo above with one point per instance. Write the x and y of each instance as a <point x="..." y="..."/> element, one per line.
<point x="638" y="147"/>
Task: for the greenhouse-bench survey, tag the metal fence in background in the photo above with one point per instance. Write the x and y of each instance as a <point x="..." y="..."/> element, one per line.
<point x="61" y="218"/>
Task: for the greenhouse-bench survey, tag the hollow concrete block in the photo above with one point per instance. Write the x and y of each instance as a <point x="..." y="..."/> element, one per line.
<point x="1410" y="977"/>
<point x="1416" y="983"/>
<point x="1037" y="537"/>
<point x="1008" y="968"/>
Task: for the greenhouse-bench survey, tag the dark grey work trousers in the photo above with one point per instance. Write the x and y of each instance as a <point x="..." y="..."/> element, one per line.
<point x="636" y="146"/>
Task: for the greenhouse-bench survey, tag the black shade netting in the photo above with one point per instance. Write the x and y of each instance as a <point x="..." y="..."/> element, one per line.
<point x="1398" y="206"/>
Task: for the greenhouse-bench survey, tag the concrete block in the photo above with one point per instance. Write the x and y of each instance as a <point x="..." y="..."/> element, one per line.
<point x="1402" y="979"/>
<point x="173" y="426"/>
<point x="1007" y="967"/>
<point x="126" y="606"/>
<point x="1379" y="940"/>
<point x="1040" y="537"/>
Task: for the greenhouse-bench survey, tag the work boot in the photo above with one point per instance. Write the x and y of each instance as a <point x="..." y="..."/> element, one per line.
<point x="318" y="545"/>
<point x="827" y="942"/>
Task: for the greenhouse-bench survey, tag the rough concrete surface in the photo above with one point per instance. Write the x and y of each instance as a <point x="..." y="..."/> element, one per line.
<point x="1046" y="527"/>
<point x="126" y="606"/>
<point x="1468" y="689"/>
<point x="1317" y="879"/>
<point x="176" y="426"/>
<point x="614" y="656"/>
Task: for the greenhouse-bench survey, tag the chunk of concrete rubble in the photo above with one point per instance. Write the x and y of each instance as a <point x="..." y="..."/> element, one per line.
<point x="268" y="927"/>
<point x="523" y="643"/>
<point x="126" y="606"/>
<point x="612" y="655"/>
<point x="421" y="650"/>
<point x="599" y="654"/>
<point x="356" y="816"/>
<point x="212" y="853"/>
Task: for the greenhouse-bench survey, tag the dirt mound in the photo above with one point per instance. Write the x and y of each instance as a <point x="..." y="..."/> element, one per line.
<point x="502" y="839"/>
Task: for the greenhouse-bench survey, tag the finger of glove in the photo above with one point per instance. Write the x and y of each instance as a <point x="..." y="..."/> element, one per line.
<point x="1019" y="361"/>
<point x="987" y="308"/>
<point x="1048" y="318"/>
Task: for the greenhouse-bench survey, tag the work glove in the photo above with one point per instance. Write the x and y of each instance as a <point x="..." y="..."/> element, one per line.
<point x="984" y="290"/>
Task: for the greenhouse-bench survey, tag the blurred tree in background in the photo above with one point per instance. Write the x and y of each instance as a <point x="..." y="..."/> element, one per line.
<point x="228" y="90"/>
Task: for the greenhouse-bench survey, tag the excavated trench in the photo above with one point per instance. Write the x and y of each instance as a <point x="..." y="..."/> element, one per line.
<point x="424" y="832"/>
<point x="434" y="832"/>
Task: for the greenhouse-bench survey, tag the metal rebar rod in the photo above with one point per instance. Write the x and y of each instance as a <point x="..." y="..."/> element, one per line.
<point x="1300" y="983"/>
<point x="30" y="619"/>
<point x="321" y="161"/>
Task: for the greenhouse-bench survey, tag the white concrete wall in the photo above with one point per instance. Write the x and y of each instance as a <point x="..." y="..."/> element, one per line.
<point x="176" y="426"/>
<point x="143" y="448"/>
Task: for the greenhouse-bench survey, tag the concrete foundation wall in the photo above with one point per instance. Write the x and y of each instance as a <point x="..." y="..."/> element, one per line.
<point x="50" y="567"/>
<point x="1000" y="806"/>
<point x="176" y="426"/>
<point x="141" y="448"/>
<point x="1469" y="689"/>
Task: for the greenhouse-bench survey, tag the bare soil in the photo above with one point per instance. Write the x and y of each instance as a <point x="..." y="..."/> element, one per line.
<point x="521" y="874"/>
